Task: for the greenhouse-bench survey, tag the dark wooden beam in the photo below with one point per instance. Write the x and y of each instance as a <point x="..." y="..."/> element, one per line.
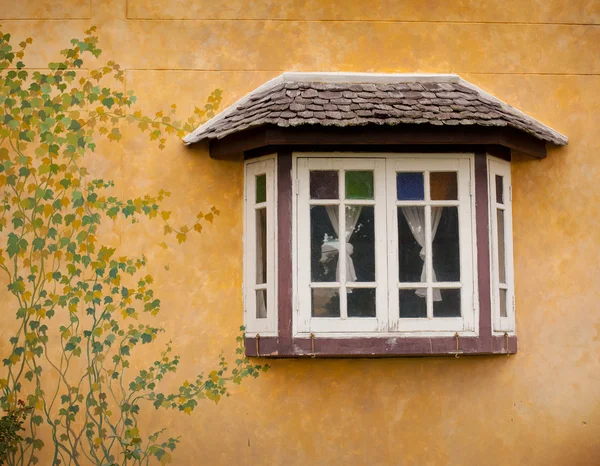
<point x="303" y="137"/>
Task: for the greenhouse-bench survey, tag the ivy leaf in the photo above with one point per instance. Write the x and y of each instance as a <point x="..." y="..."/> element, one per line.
<point x="108" y="102"/>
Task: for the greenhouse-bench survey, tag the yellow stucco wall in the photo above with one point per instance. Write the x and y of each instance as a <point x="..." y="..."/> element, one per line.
<point x="540" y="407"/>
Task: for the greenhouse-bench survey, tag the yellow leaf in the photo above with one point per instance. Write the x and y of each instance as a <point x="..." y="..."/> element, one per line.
<point x="187" y="410"/>
<point x="181" y="237"/>
<point x="186" y="384"/>
<point x="3" y="383"/>
<point x="162" y="245"/>
<point x="27" y="295"/>
<point x="98" y="441"/>
<point x="198" y="227"/>
<point x="165" y="214"/>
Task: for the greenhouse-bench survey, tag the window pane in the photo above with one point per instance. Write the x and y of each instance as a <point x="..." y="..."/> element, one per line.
<point x="325" y="302"/>
<point x="499" y="189"/>
<point x="360" y="228"/>
<point x="445" y="248"/>
<point x="501" y="253"/>
<point x="411" y="237"/>
<point x="413" y="304"/>
<point x="448" y="304"/>
<point x="261" y="188"/>
<point x="324" y="184"/>
<point x="361" y="302"/>
<point x="324" y="243"/>
<point x="443" y="186"/>
<point x="261" y="246"/>
<point x="261" y="304"/>
<point x="503" y="312"/>
<point x="359" y="185"/>
<point x="410" y="186"/>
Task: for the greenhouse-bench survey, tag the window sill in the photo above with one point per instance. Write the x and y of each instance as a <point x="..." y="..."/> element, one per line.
<point x="377" y="347"/>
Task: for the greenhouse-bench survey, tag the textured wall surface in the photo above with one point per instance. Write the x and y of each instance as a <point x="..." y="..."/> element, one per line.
<point x="539" y="407"/>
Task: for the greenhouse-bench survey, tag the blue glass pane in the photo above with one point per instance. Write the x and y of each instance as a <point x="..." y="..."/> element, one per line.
<point x="410" y="186"/>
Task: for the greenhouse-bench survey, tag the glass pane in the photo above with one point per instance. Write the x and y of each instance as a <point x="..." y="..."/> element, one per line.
<point x="261" y="188"/>
<point x="261" y="246"/>
<point x="361" y="302"/>
<point x="446" y="303"/>
<point x="261" y="304"/>
<point x="443" y="186"/>
<point x="324" y="184"/>
<point x="324" y="243"/>
<point x="411" y="234"/>
<point x="359" y="185"/>
<point x="501" y="252"/>
<point x="410" y="186"/>
<point x="499" y="189"/>
<point x="360" y="228"/>
<point x="503" y="312"/>
<point x="413" y="304"/>
<point x="325" y="302"/>
<point x="445" y="247"/>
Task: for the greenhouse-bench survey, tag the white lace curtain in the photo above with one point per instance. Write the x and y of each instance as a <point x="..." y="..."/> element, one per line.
<point x="415" y="217"/>
<point x="352" y="214"/>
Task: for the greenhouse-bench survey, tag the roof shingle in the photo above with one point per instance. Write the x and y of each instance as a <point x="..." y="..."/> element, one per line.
<point x="357" y="99"/>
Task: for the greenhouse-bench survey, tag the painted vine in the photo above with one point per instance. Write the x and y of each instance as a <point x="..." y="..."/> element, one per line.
<point x="79" y="305"/>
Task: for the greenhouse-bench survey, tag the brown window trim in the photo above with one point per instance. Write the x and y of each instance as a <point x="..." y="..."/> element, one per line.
<point x="286" y="345"/>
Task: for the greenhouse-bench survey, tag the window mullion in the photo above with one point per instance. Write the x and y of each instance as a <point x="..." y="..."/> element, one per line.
<point x="342" y="247"/>
<point x="427" y="246"/>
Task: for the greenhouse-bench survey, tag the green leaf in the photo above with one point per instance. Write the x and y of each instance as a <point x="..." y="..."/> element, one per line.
<point x="38" y="244"/>
<point x="108" y="102"/>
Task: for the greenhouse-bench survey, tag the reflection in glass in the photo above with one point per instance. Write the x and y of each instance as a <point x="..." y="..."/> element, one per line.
<point x="411" y="239"/>
<point x="409" y="186"/>
<point x="501" y="252"/>
<point x="443" y="186"/>
<point x="445" y="247"/>
<point x="261" y="304"/>
<point x="261" y="188"/>
<point x="499" y="190"/>
<point x="412" y="305"/>
<point x="448" y="305"/>
<point x="324" y="243"/>
<point x="359" y="185"/>
<point x="360" y="250"/>
<point x="324" y="184"/>
<point x="361" y="302"/>
<point x="261" y="246"/>
<point x="503" y="312"/>
<point x="325" y="302"/>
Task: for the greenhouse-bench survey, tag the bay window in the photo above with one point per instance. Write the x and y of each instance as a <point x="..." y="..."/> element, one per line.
<point x="377" y="213"/>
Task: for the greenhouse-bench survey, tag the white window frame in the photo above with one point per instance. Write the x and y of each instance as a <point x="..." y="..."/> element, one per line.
<point x="501" y="324"/>
<point x="467" y="247"/>
<point x="387" y="321"/>
<point x="264" y="326"/>
<point x="306" y="323"/>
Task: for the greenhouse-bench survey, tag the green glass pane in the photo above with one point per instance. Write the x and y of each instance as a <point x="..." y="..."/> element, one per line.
<point x="359" y="185"/>
<point x="261" y="189"/>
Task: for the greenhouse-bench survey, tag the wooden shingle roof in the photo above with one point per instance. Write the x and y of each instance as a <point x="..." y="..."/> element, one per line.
<point x="359" y="99"/>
